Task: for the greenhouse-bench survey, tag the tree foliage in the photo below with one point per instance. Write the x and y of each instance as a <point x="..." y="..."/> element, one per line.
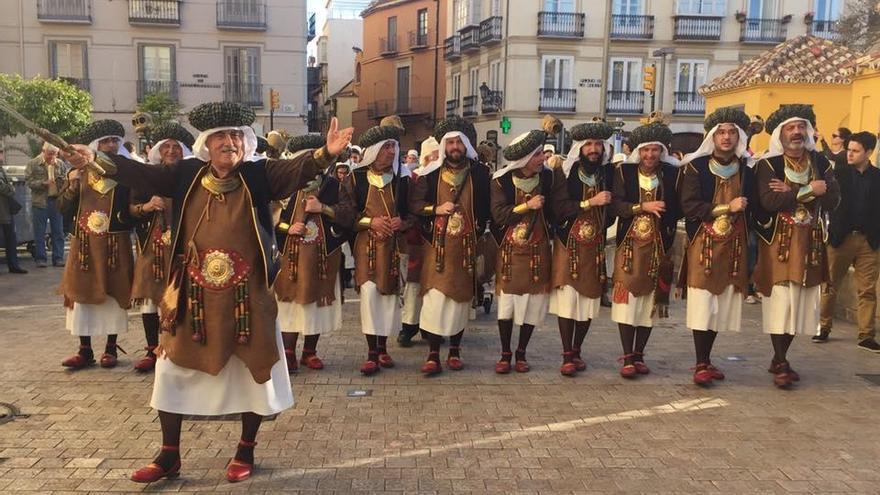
<point x="859" y="26"/>
<point x="162" y="107"/>
<point x="54" y="104"/>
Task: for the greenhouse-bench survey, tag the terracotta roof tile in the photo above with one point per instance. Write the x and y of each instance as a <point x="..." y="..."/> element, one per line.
<point x="804" y="59"/>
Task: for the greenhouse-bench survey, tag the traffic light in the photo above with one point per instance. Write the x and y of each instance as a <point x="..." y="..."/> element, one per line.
<point x="274" y="99"/>
<point x="650" y="78"/>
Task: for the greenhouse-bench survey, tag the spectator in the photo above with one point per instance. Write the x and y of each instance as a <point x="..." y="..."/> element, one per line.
<point x="411" y="161"/>
<point x="836" y="152"/>
<point x="341" y="172"/>
<point x="8" y="207"/>
<point x="549" y="150"/>
<point x="854" y="238"/>
<point x="44" y="176"/>
<point x="355" y="155"/>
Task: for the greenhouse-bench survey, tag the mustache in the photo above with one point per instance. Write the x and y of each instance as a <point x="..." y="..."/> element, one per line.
<point x="225" y="149"/>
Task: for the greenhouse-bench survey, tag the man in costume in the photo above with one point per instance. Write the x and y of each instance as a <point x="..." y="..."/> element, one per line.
<point x="152" y="215"/>
<point x="795" y="187"/>
<point x="583" y="217"/>
<point x="520" y="194"/>
<point x="378" y="186"/>
<point x="309" y="233"/>
<point x="96" y="284"/>
<point x="222" y="351"/>
<point x="645" y="200"/>
<point x="451" y="197"/>
<point x="715" y="186"/>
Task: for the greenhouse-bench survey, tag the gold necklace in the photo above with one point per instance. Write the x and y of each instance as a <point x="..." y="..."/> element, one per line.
<point x="217" y="186"/>
<point x="454" y="178"/>
<point x="379" y="180"/>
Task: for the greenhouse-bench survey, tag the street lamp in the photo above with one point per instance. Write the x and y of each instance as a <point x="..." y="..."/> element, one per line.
<point x="662" y="53"/>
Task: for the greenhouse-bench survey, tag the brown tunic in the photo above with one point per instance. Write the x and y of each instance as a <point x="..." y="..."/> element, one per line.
<point x="584" y="254"/>
<point x="454" y="281"/>
<point x="386" y="252"/>
<point x="150" y="274"/>
<point x="523" y="266"/>
<point x="796" y="267"/>
<point x="726" y="235"/>
<point x="303" y="253"/>
<point x="644" y="233"/>
<point x="102" y="276"/>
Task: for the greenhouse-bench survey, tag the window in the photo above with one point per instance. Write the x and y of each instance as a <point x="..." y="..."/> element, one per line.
<point x="828" y="10"/>
<point x="702" y="7"/>
<point x="157" y="62"/>
<point x="495" y="75"/>
<point x="476" y="11"/>
<point x="562" y="6"/>
<point x="626" y="74"/>
<point x="474" y="81"/>
<point x="495" y="8"/>
<point x="460" y="14"/>
<point x="422" y="24"/>
<point x="691" y="75"/>
<point x="67" y="59"/>
<point x="627" y="7"/>
<point x="242" y="67"/>
<point x="456" y="86"/>
<point x="556" y="71"/>
<point x="392" y="34"/>
<point x="762" y="9"/>
<point x="403" y="89"/>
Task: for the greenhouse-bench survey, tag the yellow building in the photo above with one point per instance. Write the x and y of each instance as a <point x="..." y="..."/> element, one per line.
<point x="865" y="98"/>
<point x="806" y="69"/>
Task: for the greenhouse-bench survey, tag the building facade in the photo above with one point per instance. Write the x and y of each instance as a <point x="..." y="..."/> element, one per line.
<point x="584" y="58"/>
<point x="400" y="71"/>
<point x="122" y="50"/>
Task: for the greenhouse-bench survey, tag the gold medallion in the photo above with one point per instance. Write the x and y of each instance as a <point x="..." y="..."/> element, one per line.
<point x="643" y="227"/>
<point x="722" y="226"/>
<point x="98" y="222"/>
<point x="519" y="233"/>
<point x="217" y="268"/>
<point x="311" y="233"/>
<point x="455" y="225"/>
<point x="166" y="237"/>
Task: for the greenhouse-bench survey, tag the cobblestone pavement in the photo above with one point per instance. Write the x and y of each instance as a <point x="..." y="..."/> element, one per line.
<point x="470" y="431"/>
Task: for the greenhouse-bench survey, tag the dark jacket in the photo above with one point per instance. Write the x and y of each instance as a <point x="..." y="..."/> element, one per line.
<point x="841" y="221"/>
<point x="626" y="193"/>
<point x="706" y="193"/>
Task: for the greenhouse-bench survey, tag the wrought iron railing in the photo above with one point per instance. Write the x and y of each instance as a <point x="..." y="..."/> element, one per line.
<point x="79" y="11"/>
<point x="697" y="28"/>
<point x="452" y="47"/>
<point x="490" y="30"/>
<point x="154" y="12"/>
<point x="146" y="87"/>
<point x="246" y="93"/>
<point x="418" y="40"/>
<point x="561" y="25"/>
<point x="625" y="102"/>
<point x="493" y="101"/>
<point x="557" y="100"/>
<point x="762" y="31"/>
<point x="242" y="14"/>
<point x="469" y="106"/>
<point x="688" y="103"/>
<point x="632" y="27"/>
<point x="825" y="29"/>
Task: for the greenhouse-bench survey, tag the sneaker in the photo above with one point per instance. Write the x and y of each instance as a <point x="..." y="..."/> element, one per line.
<point x="869" y="345"/>
<point x="750" y="299"/>
<point x="822" y="336"/>
<point x="41" y="264"/>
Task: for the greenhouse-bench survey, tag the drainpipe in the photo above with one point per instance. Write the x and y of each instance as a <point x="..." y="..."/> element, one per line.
<point x="506" y="94"/>
<point x="21" y="37"/>
<point x="606" y="58"/>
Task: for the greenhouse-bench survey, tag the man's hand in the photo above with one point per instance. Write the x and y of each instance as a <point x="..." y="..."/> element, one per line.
<point x="338" y="139"/>
<point x="81" y="158"/>
<point x="298" y="228"/>
<point x="536" y="202"/>
<point x="601" y="199"/>
<point x="738" y="204"/>
<point x="656" y="208"/>
<point x="73" y="175"/>
<point x="779" y="186"/>
<point x="313" y="205"/>
<point x="447" y="208"/>
<point x="817" y="135"/>
<point x="154" y="204"/>
<point x="381" y="226"/>
<point x="819" y="187"/>
<point x="395" y="224"/>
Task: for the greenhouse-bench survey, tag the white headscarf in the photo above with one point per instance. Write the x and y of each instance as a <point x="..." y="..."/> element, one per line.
<point x="432" y="166"/>
<point x="517" y="164"/>
<point x="664" y="154"/>
<point x="574" y="155"/>
<point x="200" y="147"/>
<point x="429" y="146"/>
<point x="122" y="151"/>
<point x="372" y="152"/>
<point x="707" y="147"/>
<point x="155" y="157"/>
<point x="775" y="148"/>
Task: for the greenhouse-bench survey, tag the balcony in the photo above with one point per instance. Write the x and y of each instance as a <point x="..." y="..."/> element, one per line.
<point x="492" y="102"/>
<point x="246" y="93"/>
<point x="413" y="106"/>
<point x="469" y="106"/>
<point x="697" y="28"/>
<point x="688" y="103"/>
<point x="388" y="46"/>
<point x="451" y="107"/>
<point x="824" y="29"/>
<point x="154" y="12"/>
<point x="417" y="40"/>
<point x="625" y="102"/>
<point x="148" y="87"/>
<point x="242" y="14"/>
<point x="310" y="28"/>
<point x="490" y="30"/>
<point x="73" y="11"/>
<point x="557" y="100"/>
<point x="560" y="25"/>
<point x="762" y="31"/>
<point x="79" y="82"/>
<point x="470" y="38"/>
<point x="632" y="27"/>
<point x="452" y="48"/>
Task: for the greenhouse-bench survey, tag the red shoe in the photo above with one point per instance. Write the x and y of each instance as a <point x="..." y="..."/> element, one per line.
<point x="290" y="357"/>
<point x="370" y="367"/>
<point x="795" y="377"/>
<point x="148" y="362"/>
<point x="502" y="367"/>
<point x="109" y="360"/>
<point x="628" y="370"/>
<point x="239" y="470"/>
<point x="702" y="375"/>
<point x="154" y="472"/>
<point x="454" y="362"/>
<point x="640" y="365"/>
<point x="78" y="361"/>
<point x="312" y="361"/>
<point x="432" y="366"/>
<point x="385" y="360"/>
<point x="522" y="366"/>
<point x="716" y="373"/>
<point x="569" y="368"/>
<point x="782" y="375"/>
<point x="579" y="363"/>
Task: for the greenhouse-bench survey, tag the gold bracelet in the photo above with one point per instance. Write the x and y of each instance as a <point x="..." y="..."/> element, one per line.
<point x="636" y="209"/>
<point x="322" y="155"/>
<point x="521" y="208"/>
<point x="585" y="205"/>
<point x="805" y="194"/>
<point x="283" y="227"/>
<point x="720" y="210"/>
<point x="428" y="210"/>
<point x="328" y="212"/>
<point x="364" y="223"/>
